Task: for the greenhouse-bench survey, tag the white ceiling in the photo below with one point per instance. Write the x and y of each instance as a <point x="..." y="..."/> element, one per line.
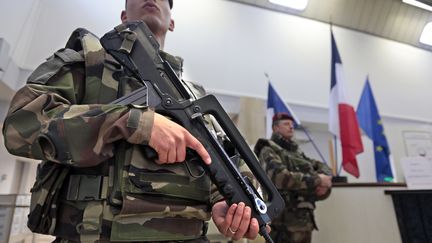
<point x="390" y="19"/>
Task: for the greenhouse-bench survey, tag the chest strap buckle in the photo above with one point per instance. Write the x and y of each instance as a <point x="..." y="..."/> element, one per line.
<point x="86" y="188"/>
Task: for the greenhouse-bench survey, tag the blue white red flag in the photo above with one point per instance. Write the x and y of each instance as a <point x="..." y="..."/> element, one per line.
<point x="343" y="121"/>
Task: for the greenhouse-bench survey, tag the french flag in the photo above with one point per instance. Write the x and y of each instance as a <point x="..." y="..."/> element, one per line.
<point x="343" y="121"/>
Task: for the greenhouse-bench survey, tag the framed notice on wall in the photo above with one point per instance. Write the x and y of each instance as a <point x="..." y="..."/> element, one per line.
<point x="418" y="172"/>
<point x="418" y="143"/>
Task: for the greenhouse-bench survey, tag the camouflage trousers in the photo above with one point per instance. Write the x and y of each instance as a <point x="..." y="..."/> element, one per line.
<point x="202" y="239"/>
<point x="285" y="236"/>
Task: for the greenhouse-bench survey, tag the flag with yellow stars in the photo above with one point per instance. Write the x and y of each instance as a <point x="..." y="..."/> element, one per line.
<point x="371" y="123"/>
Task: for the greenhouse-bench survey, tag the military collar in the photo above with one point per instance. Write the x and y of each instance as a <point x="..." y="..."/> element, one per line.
<point x="289" y="145"/>
<point x="176" y="62"/>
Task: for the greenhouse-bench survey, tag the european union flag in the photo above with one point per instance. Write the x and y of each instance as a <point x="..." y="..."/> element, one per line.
<point x="370" y="122"/>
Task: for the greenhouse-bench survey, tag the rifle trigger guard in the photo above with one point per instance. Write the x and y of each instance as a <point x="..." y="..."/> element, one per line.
<point x="191" y="173"/>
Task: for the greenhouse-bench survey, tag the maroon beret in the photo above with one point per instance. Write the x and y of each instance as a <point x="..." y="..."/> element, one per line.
<point x="282" y="116"/>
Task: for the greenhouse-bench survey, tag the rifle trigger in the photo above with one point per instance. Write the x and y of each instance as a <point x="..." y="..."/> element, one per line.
<point x="193" y="159"/>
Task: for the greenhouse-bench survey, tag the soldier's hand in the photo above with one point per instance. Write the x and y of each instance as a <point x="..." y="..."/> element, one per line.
<point x="324" y="186"/>
<point x="235" y="221"/>
<point x="326" y="181"/>
<point x="321" y="191"/>
<point x="170" y="141"/>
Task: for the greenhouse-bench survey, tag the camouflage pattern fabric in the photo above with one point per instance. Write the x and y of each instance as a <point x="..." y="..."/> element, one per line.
<point x="62" y="117"/>
<point x="296" y="177"/>
<point x="285" y="236"/>
<point x="202" y="239"/>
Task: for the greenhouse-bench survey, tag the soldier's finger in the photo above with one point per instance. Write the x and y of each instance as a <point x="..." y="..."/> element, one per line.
<point x="194" y="144"/>
<point x="238" y="217"/>
<point x="322" y="191"/>
<point x="228" y="219"/>
<point x="254" y="229"/>
<point x="181" y="152"/>
<point x="162" y="154"/>
<point x="172" y="155"/>
<point x="268" y="228"/>
<point x="244" y="223"/>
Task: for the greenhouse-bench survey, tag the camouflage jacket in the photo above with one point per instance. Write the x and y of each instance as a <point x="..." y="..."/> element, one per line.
<point x="98" y="180"/>
<point x="296" y="177"/>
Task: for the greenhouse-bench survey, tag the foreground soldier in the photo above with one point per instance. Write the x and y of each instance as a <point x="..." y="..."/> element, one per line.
<point x="99" y="179"/>
<point x="300" y="180"/>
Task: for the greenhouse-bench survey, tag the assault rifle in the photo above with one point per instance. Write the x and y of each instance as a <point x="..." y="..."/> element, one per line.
<point x="132" y="44"/>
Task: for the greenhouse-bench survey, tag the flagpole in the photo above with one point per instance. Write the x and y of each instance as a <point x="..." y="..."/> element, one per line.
<point x="298" y="124"/>
<point x="336" y="155"/>
<point x="314" y="144"/>
<point x="332" y="158"/>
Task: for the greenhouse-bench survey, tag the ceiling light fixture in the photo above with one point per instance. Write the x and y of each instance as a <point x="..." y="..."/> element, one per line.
<point x="294" y="4"/>
<point x="426" y="36"/>
<point x="418" y="4"/>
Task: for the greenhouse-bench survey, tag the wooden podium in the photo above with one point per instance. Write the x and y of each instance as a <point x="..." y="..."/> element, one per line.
<point x="414" y="214"/>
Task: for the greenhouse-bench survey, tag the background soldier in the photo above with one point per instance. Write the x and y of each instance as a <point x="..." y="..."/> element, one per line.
<point x="100" y="179"/>
<point x="300" y="180"/>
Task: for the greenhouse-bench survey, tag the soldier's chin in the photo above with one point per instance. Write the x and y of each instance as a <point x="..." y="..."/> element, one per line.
<point x="153" y="23"/>
<point x="289" y="136"/>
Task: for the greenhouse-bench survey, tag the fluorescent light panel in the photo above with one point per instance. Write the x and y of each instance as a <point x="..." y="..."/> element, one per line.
<point x="294" y="4"/>
<point x="418" y="4"/>
<point x="426" y="36"/>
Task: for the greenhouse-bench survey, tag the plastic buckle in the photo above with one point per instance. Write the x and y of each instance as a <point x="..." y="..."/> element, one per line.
<point x="84" y="188"/>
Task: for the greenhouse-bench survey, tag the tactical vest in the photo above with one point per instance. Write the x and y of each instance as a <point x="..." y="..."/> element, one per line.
<point x="294" y="160"/>
<point x="129" y="197"/>
<point x="298" y="213"/>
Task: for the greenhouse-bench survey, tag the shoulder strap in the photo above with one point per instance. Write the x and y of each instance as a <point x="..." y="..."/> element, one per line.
<point x="262" y="142"/>
<point x="275" y="147"/>
<point x="101" y="87"/>
<point x="94" y="54"/>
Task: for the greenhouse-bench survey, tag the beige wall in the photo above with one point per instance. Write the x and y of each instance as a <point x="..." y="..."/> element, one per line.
<point x="357" y="215"/>
<point x="351" y="215"/>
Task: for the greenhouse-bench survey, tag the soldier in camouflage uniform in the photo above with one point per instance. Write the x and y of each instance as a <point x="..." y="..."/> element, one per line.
<point x="112" y="172"/>
<point x="300" y="180"/>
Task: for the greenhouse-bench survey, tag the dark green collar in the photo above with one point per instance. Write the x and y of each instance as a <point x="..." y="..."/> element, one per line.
<point x="289" y="145"/>
<point x="175" y="61"/>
